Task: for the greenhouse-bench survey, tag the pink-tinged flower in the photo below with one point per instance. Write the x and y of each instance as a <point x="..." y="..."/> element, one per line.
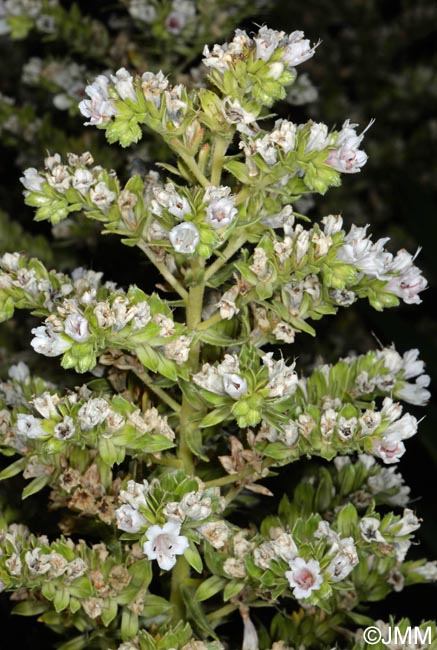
<point x="164" y="543"/>
<point x="99" y="108"/>
<point x="408" y="285"/>
<point x="304" y="576"/>
<point x="347" y="158"/>
<point x="390" y="449"/>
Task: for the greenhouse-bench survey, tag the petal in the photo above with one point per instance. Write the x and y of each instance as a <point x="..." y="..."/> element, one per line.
<point x="166" y="562"/>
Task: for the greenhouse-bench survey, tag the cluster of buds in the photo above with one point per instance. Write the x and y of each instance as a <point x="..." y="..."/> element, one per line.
<point x="246" y="387"/>
<point x="148" y="514"/>
<point x="86" y="317"/>
<point x="313" y="272"/>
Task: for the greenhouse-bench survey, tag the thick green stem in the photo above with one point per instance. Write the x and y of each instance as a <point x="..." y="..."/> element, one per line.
<point x="231" y="249"/>
<point x="194" y="304"/>
<point x="220" y="148"/>
<point x="192" y="165"/>
<point x="173" y="282"/>
<point x="209" y="322"/>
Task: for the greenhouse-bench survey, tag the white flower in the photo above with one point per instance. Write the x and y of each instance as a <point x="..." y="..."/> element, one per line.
<point x="408" y="285"/>
<point x="93" y="412"/>
<point x="100" y="107"/>
<point x="285" y="547"/>
<point x="234" y="385"/>
<point x="153" y="86"/>
<point x="227" y="305"/>
<point x="234" y="113"/>
<point x="347" y="157"/>
<point x="65" y="429"/>
<point x="390" y="449"/>
<point x="297" y="49"/>
<point x="164" y="543"/>
<point x="369" y="527"/>
<point x="124" y="84"/>
<point x="284" y="135"/>
<point x="332" y="224"/>
<point x="427" y="571"/>
<point x="82" y="180"/>
<point x="267" y="41"/>
<point x="415" y="393"/>
<point x="266" y="149"/>
<point x="29" y="426"/>
<point x="282" y="378"/>
<point x="19" y="372"/>
<point x="216" y="532"/>
<point x="250" y="635"/>
<point x="318" y="137"/>
<point x="220" y="213"/>
<point x="10" y="261"/>
<point x="341" y="565"/>
<point x="142" y="10"/>
<point x="102" y="196"/>
<point x="179" y="349"/>
<point x="31" y="180"/>
<point x="408" y="524"/>
<point x="184" y="238"/>
<point x="196" y="506"/>
<point x="47" y="342"/>
<point x="45" y="404"/>
<point x="129" y="519"/>
<point x="304" y="576"/>
<point x="369" y="422"/>
<point x="76" y="327"/>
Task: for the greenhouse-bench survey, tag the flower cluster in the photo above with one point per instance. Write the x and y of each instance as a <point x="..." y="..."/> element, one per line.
<point x="190" y="417"/>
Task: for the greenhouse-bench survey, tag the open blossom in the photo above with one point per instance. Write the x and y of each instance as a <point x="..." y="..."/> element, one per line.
<point x="65" y="429"/>
<point x="164" y="543"/>
<point x="369" y="527"/>
<point x="48" y="342"/>
<point x="220" y="213"/>
<point x="318" y="138"/>
<point x="124" y="84"/>
<point x="184" y="238"/>
<point x="153" y="86"/>
<point x="102" y="196"/>
<point x="76" y="327"/>
<point x="297" y="49"/>
<point x="99" y="108"/>
<point x="234" y="385"/>
<point x="32" y="180"/>
<point x="347" y="158"/>
<point x="129" y="519"/>
<point x="304" y="576"/>
<point x="29" y="426"/>
<point x="282" y="378"/>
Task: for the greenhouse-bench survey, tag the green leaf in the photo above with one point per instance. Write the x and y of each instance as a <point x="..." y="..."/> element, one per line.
<point x="13" y="469"/>
<point x="209" y="588"/>
<point x="30" y="608"/>
<point x="193" y="438"/>
<point x="109" y="611"/>
<point x="232" y="589"/>
<point x="35" y="486"/>
<point x="151" y="443"/>
<point x="61" y="600"/>
<point x="193" y="558"/>
<point x="129" y="625"/>
<point x="196" y="613"/>
<point x="215" y="416"/>
<point x="156" y="606"/>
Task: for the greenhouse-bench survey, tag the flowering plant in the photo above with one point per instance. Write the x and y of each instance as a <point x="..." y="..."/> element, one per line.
<point x="192" y="416"/>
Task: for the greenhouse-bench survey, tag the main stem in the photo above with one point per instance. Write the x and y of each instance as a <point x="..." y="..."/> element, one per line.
<point x="194" y="304"/>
